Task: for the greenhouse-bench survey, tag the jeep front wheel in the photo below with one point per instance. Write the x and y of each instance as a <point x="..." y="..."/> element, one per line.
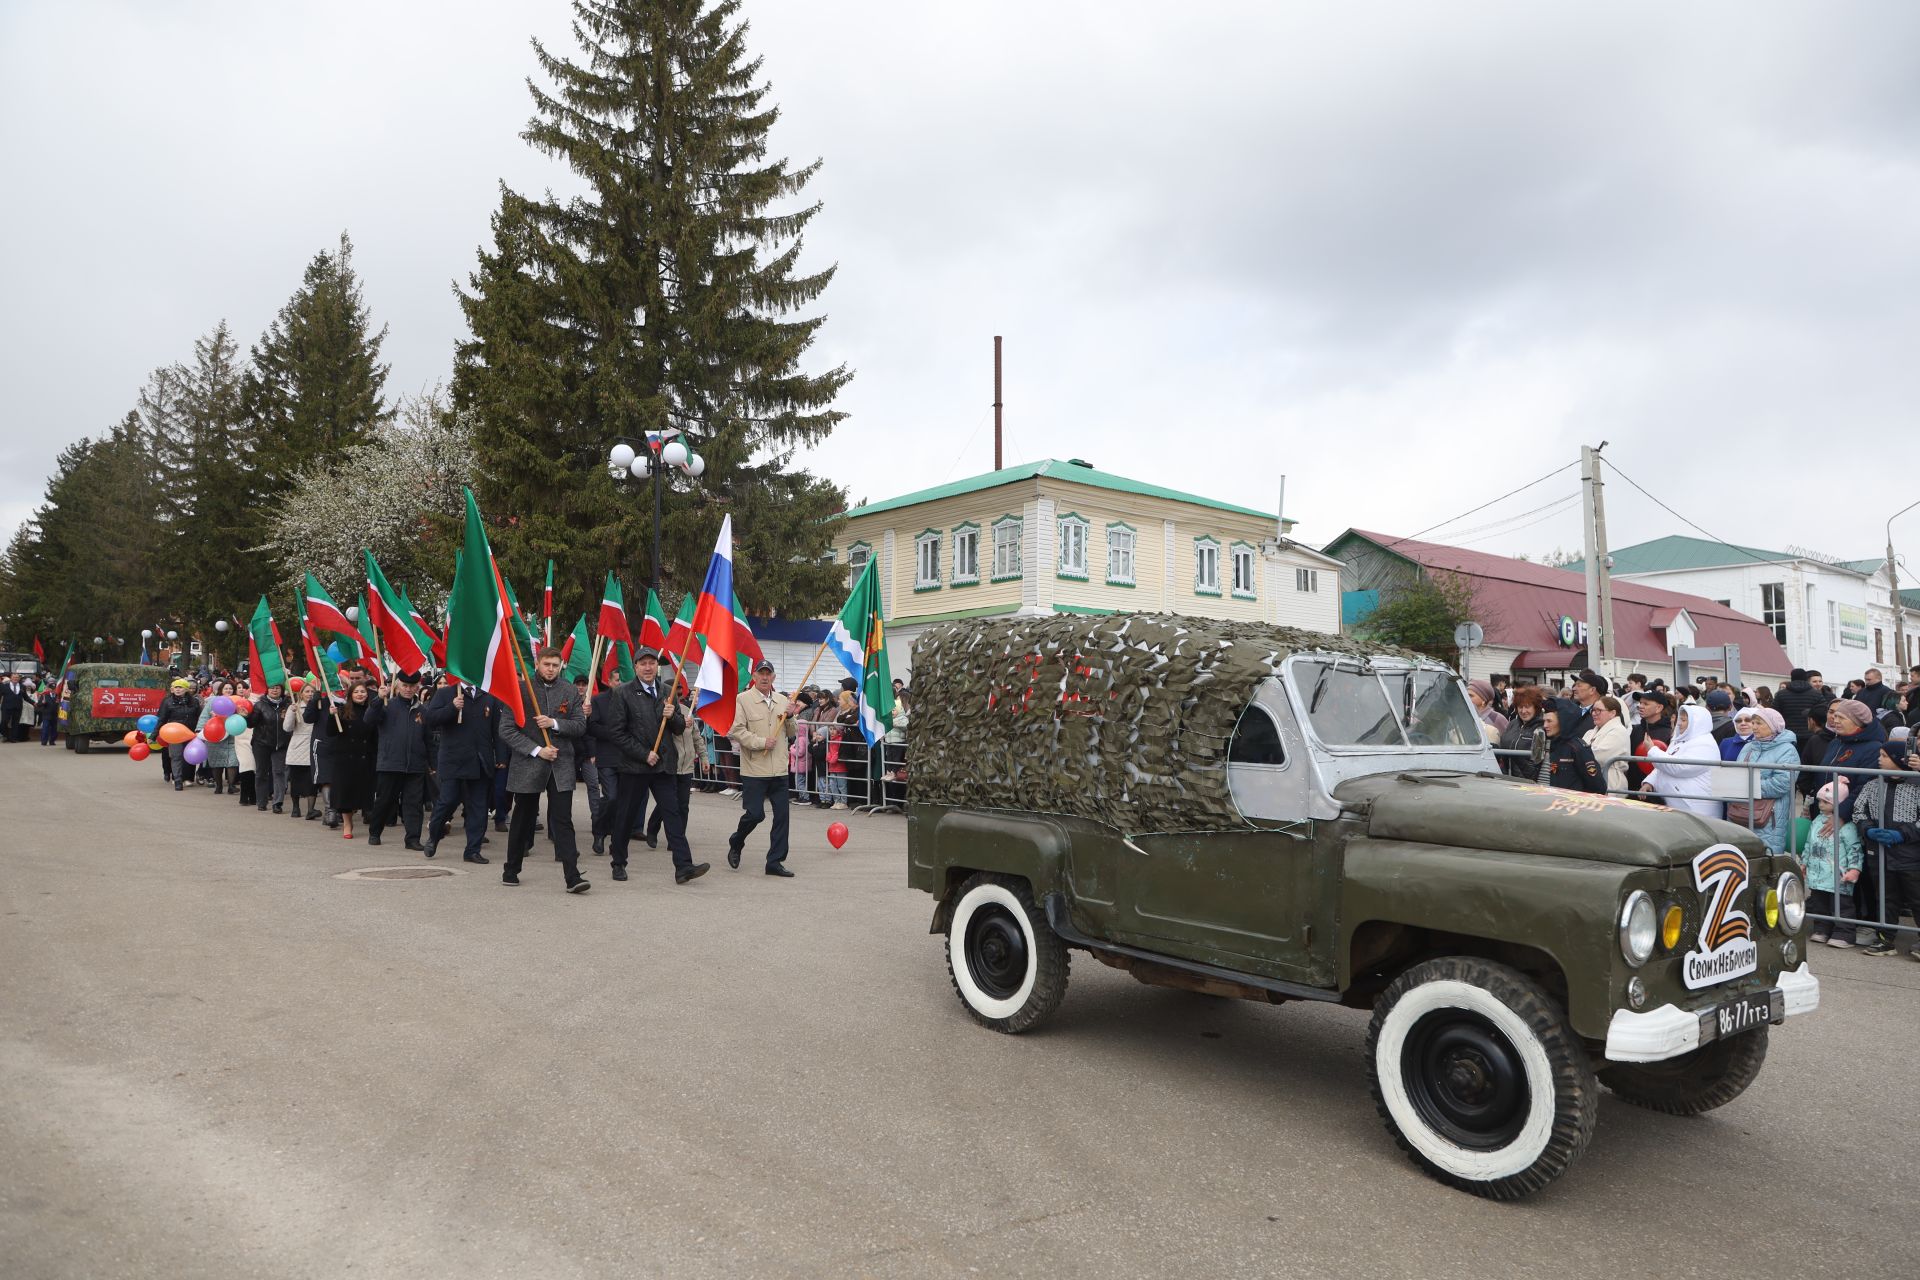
<point x="1711" y="1076"/>
<point x="1479" y="1077"/>
<point x="1008" y="967"/>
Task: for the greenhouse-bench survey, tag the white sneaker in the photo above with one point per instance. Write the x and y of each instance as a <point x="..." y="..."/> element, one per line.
<point x="1841" y="943"/>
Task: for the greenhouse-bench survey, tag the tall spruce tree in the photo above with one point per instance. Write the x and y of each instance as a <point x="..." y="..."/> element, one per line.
<point x="317" y="386"/>
<point x="667" y="296"/>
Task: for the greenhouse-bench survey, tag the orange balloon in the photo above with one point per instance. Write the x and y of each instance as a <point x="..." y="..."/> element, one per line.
<point x="133" y="736"/>
<point x="216" y="729"/>
<point x="174" y="731"/>
<point x="139" y="751"/>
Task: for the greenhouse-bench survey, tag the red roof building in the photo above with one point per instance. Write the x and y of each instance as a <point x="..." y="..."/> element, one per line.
<point x="1534" y="615"/>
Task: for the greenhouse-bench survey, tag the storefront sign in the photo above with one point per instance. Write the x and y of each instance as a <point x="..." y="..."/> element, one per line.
<point x="117" y="702"/>
<point x="1571" y="633"/>
<point x="1853" y="627"/>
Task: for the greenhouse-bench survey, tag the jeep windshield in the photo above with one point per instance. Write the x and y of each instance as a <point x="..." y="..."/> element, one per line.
<point x="1354" y="702"/>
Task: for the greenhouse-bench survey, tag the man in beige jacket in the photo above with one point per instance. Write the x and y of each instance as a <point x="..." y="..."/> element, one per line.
<point x="762" y="728"/>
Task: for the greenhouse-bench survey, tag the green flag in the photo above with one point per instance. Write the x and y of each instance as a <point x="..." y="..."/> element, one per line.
<point x="479" y="650"/>
<point x="390" y="619"/>
<point x="858" y="638"/>
<point x="579" y="649"/>
<point x="265" y="666"/>
<point x="529" y="647"/>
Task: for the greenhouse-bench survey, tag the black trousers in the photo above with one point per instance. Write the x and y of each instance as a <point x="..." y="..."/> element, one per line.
<point x="755" y="795"/>
<point x="630" y="803"/>
<point x="405" y="791"/>
<point x="526" y="813"/>
<point x="1903" y="894"/>
<point x="473" y="795"/>
<point x="683" y="793"/>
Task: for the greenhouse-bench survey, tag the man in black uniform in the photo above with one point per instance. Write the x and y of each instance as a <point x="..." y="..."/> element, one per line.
<point x="401" y="760"/>
<point x="464" y="717"/>
<point x="646" y="763"/>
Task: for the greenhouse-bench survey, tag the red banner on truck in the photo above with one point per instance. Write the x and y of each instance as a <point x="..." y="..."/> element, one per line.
<point x="117" y="702"/>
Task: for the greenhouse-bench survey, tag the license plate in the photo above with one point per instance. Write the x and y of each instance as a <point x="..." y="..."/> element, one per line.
<point x="1744" y="1014"/>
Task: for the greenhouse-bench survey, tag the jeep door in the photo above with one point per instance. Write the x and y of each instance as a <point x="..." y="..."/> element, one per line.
<point x="1259" y="899"/>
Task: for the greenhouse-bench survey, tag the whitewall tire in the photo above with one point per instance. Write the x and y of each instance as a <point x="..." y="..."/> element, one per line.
<point x="1008" y="968"/>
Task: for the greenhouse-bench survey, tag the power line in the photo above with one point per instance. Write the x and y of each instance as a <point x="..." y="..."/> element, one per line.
<point x="1483" y="506"/>
<point x="1731" y="546"/>
<point x="1560" y="508"/>
<point x="1560" y="502"/>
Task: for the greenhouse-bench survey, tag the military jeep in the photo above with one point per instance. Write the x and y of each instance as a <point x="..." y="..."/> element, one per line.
<point x="1271" y="814"/>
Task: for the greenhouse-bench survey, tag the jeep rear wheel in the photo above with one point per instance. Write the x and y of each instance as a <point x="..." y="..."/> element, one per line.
<point x="1007" y="966"/>
<point x="1711" y="1076"/>
<point x="1479" y="1077"/>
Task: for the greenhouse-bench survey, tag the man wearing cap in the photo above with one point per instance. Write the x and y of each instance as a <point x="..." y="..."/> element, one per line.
<point x="762" y="729"/>
<point x="400" y="761"/>
<point x="1654" y="726"/>
<point x="1588" y="688"/>
<point x="646" y="754"/>
<point x="540" y="763"/>
<point x="179" y="707"/>
<point x="1720" y="705"/>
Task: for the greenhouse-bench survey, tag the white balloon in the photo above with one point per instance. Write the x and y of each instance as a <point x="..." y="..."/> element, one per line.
<point x="621" y="458"/>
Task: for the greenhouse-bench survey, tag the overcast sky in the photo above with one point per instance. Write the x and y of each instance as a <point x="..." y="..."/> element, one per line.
<point x="1407" y="255"/>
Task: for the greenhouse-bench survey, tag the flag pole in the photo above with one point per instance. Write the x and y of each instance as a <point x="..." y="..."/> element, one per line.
<point x="817" y="654"/>
<point x="593" y="676"/>
<point x="673" y="696"/>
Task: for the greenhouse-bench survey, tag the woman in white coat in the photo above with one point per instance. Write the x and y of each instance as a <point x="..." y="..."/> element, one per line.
<point x="1680" y="775"/>
<point x="1609" y="739"/>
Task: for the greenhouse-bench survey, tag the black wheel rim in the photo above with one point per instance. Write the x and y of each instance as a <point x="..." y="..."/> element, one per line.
<point x="996" y="950"/>
<point x="1466" y="1079"/>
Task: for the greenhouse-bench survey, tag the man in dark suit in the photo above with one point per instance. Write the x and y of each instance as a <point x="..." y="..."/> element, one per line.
<point x="465" y="719"/>
<point x="646" y="763"/>
<point x="540" y="762"/>
<point x="401" y="760"/>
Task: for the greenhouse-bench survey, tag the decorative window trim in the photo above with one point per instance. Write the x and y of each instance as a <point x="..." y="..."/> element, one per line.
<point x="953" y="556"/>
<point x="1200" y="588"/>
<point x="1132" y="579"/>
<point x="1086" y="551"/>
<point x="1020" y="526"/>
<point x="1234" y="551"/>
<point x="927" y="537"/>
<point x="859" y="546"/>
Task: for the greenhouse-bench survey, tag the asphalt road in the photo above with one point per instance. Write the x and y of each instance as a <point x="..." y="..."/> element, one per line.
<point x="217" y="1059"/>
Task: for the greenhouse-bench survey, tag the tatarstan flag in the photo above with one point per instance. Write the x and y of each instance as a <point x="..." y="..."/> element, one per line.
<point x="613" y="613"/>
<point x="653" y="627"/>
<point x="265" y="666"/>
<point x="436" y="644"/>
<point x="327" y="618"/>
<point x="546" y="606"/>
<point x="577" y="651"/>
<point x="389" y="616"/>
<point x="479" y="634"/>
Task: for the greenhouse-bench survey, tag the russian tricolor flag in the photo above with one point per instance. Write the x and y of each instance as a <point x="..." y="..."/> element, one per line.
<point x="717" y="686"/>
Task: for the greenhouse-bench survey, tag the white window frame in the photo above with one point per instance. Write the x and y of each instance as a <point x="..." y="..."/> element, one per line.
<point x="1775" y="618"/>
<point x="857" y="556"/>
<point x="1206" y="566"/>
<point x="926" y="560"/>
<point x="1008" y="531"/>
<point x="1122" y="556"/>
<point x="1238" y="553"/>
<point x="1833" y="626"/>
<point x="1306" y="581"/>
<point x="966" y="555"/>
<point x="1073" y="533"/>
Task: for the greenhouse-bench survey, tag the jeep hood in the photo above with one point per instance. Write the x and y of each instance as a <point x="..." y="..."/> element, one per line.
<point x="1484" y="811"/>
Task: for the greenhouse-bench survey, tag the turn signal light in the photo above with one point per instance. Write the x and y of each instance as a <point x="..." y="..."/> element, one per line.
<point x="1670" y="927"/>
<point x="1773" y="908"/>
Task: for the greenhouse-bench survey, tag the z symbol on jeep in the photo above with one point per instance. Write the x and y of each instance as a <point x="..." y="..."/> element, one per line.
<point x="1726" y="945"/>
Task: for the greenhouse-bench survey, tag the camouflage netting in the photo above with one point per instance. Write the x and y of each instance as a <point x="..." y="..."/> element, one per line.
<point x="1123" y="719"/>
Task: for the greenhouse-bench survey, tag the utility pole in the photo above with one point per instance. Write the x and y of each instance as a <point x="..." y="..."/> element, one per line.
<point x="998" y="463"/>
<point x="1593" y="532"/>
<point x="1893" y="593"/>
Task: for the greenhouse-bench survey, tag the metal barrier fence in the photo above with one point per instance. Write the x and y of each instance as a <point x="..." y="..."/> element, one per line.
<point x="840" y="769"/>
<point x="1868" y="889"/>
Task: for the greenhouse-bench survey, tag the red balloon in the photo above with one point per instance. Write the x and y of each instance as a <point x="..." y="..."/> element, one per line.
<point x="295" y="684"/>
<point x="243" y="706"/>
<point x="138" y="751"/>
<point x="216" y="729"/>
<point x="837" y="834"/>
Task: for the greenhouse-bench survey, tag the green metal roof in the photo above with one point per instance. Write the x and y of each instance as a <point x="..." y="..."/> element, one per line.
<point x="1053" y="469"/>
<point x="1868" y="567"/>
<point x="1910" y="599"/>
<point x="1666" y="554"/>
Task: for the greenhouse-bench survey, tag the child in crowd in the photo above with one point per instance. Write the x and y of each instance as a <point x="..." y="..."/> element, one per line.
<point x="1833" y="861"/>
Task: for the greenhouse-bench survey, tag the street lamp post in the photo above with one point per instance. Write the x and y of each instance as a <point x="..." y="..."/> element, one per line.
<point x="654" y="456"/>
<point x="1893" y="591"/>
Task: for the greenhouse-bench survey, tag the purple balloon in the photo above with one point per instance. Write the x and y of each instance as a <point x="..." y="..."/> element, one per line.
<point x="196" y="751"/>
<point x="223" y="706"/>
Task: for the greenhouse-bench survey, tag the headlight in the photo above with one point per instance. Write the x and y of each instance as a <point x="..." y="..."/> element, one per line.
<point x="1639" y="927"/>
<point x="1793" y="902"/>
<point x="1670" y="927"/>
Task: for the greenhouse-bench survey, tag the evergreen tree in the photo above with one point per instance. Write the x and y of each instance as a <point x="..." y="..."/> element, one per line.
<point x="316" y="386"/>
<point x="667" y="296"/>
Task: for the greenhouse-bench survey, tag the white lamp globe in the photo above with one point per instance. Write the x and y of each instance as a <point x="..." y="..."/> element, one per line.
<point x="696" y="465"/>
<point x="146" y="633"/>
<point x="621" y="458"/>
<point x="220" y="625"/>
<point x="674" y="454"/>
<point x="173" y="635"/>
<point x="353" y="613"/>
<point x="98" y="641"/>
<point x="639" y="468"/>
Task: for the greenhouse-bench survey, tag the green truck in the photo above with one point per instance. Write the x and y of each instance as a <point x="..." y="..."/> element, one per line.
<point x="1270" y="814"/>
<point x="105" y="699"/>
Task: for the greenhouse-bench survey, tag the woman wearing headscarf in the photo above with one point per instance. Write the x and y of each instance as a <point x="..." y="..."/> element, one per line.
<point x="1832" y="859"/>
<point x="1492" y="723"/>
<point x="1682" y="772"/>
<point x="1886" y="811"/>
<point x="222" y="760"/>
<point x="1734" y="743"/>
<point x="1610" y="741"/>
<point x="1518" y="735"/>
<point x="1569" y="763"/>
<point x="1771" y="742"/>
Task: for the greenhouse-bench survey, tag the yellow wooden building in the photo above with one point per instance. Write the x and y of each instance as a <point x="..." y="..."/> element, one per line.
<point x="1062" y="537"/>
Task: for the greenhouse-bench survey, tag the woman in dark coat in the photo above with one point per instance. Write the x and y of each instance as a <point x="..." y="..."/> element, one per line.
<point x="352" y="746"/>
<point x="1518" y="735"/>
<point x="1570" y="761"/>
<point x="1857" y="736"/>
